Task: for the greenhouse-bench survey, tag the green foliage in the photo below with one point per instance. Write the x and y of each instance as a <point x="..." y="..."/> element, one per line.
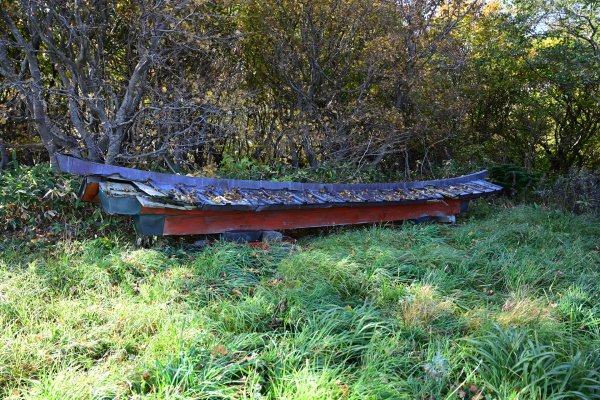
<point x="533" y="79"/>
<point x="243" y="168"/>
<point x="342" y="87"/>
<point x="334" y="173"/>
<point x="39" y="200"/>
<point x="29" y="196"/>
<point x="576" y="191"/>
<point x="501" y="305"/>
<point x="514" y="178"/>
<point x="246" y="168"/>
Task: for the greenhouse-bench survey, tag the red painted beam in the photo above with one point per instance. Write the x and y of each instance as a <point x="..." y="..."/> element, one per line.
<point x="180" y="222"/>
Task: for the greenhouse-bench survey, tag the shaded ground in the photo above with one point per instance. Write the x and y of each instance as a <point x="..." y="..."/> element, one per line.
<point x="503" y="305"/>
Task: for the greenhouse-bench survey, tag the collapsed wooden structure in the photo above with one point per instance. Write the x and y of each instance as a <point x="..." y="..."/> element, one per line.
<point x="167" y="204"/>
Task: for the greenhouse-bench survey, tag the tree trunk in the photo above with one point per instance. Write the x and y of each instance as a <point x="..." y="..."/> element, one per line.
<point x="310" y="153"/>
<point x="3" y="156"/>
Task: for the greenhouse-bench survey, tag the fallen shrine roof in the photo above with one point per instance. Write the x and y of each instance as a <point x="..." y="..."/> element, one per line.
<point x="171" y="197"/>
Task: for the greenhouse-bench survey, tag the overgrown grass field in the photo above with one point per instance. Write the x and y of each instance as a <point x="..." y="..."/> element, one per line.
<point x="503" y="305"/>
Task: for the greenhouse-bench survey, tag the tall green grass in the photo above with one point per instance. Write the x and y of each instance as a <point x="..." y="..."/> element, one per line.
<point x="503" y="305"/>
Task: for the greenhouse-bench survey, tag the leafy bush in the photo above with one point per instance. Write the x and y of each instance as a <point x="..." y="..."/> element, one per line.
<point x="335" y="173"/>
<point x="244" y="168"/>
<point x="515" y="179"/>
<point x="577" y="191"/>
<point x="38" y="197"/>
<point x="29" y="196"/>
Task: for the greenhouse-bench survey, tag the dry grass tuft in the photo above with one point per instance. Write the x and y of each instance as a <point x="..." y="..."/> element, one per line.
<point x="424" y="306"/>
<point x="524" y="312"/>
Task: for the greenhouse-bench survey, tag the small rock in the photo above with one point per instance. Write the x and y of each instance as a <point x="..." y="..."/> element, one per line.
<point x="421" y="220"/>
<point x="241" y="236"/>
<point x="446" y="219"/>
<point x="272" y="236"/>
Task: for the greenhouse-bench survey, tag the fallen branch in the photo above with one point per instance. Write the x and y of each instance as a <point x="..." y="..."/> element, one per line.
<point x="25" y="146"/>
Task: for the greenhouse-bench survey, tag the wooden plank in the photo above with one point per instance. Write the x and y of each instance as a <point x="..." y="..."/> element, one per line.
<point x="211" y="221"/>
<point x="150" y="203"/>
<point x="121" y="189"/>
<point x="90" y="191"/>
<point x="149" y="190"/>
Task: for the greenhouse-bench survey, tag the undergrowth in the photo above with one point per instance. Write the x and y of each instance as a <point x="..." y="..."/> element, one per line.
<point x="36" y="201"/>
<point x="503" y="305"/>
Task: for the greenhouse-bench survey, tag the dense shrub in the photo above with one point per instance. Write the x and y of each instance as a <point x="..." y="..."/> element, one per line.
<point x="515" y="179"/>
<point x="577" y="191"/>
<point x="38" y="198"/>
<point x="243" y="168"/>
<point x="246" y="168"/>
